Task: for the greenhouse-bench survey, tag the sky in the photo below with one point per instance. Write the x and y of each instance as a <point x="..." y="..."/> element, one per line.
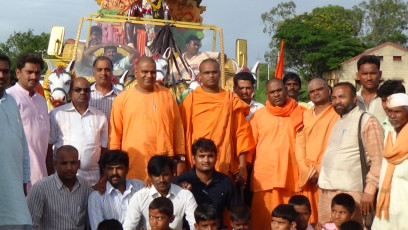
<point x="238" y="18"/>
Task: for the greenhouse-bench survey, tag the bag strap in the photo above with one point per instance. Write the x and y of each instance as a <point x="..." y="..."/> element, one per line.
<point x="362" y="152"/>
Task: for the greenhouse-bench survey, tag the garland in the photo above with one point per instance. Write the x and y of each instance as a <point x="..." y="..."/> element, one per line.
<point x="157" y="6"/>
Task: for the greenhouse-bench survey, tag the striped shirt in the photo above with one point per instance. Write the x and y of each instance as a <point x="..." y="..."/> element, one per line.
<point x="113" y="204"/>
<point x="53" y="206"/>
<point x="87" y="133"/>
<point x="103" y="102"/>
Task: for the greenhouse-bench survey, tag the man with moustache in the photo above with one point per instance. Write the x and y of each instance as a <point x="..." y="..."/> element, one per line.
<point x="244" y="84"/>
<point x="34" y="114"/>
<point x="145" y="121"/>
<point x="341" y="166"/>
<point x="82" y="126"/>
<point x="114" y="202"/>
<point x="293" y="84"/>
<point x="392" y="204"/>
<point x="103" y="92"/>
<point x="275" y="171"/>
<point x="311" y="141"/>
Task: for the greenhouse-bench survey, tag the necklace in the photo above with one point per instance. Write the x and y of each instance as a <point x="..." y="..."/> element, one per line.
<point x="157" y="6"/>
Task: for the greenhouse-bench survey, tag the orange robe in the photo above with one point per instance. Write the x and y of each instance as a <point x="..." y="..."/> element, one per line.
<point x="311" y="142"/>
<point x="144" y="125"/>
<point x="275" y="173"/>
<point x="221" y="118"/>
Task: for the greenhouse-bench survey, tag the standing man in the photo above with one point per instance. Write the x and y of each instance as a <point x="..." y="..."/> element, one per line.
<point x="114" y="203"/>
<point x="160" y="169"/>
<point x="145" y="121"/>
<point x="369" y="75"/>
<point x="15" y="160"/>
<point x="59" y="201"/>
<point x="81" y="126"/>
<point x="208" y="185"/>
<point x="341" y="166"/>
<point x="392" y="204"/>
<point x="244" y="84"/>
<point x="34" y="114"/>
<point x="275" y="174"/>
<point x="311" y="141"/>
<point x="103" y="92"/>
<point x="293" y="84"/>
<point x="216" y="114"/>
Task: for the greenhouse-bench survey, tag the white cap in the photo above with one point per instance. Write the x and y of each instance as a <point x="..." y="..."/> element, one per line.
<point x="397" y="99"/>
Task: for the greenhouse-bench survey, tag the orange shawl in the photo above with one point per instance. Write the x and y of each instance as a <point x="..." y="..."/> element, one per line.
<point x="288" y="111"/>
<point x="394" y="154"/>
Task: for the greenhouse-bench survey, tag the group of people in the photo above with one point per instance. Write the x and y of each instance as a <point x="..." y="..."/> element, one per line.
<point x="138" y="160"/>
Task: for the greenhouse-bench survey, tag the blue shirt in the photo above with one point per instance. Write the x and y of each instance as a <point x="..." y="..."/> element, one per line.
<point x="220" y="192"/>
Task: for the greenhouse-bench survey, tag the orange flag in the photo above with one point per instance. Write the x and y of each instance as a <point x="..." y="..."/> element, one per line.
<point x="279" y="65"/>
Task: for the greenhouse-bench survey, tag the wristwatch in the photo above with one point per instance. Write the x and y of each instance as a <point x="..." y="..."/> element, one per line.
<point x="181" y="158"/>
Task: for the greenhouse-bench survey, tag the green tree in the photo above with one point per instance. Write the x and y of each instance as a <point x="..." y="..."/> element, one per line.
<point x="383" y="21"/>
<point x="24" y="42"/>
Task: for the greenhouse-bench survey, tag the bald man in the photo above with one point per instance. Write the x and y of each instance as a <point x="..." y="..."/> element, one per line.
<point x="82" y="126"/>
<point x="145" y="121"/>
<point x="311" y="141"/>
<point x="275" y="171"/>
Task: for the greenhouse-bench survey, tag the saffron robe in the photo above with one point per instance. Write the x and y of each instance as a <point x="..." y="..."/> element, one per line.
<point x="221" y="118"/>
<point x="311" y="142"/>
<point x="144" y="125"/>
<point x="275" y="173"/>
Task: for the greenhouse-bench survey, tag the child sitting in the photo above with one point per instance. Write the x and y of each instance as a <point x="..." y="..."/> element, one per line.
<point x="342" y="207"/>
<point x="206" y="217"/>
<point x="240" y="217"/>
<point x="283" y="217"/>
<point x="303" y="212"/>
<point x="161" y="213"/>
<point x="351" y="225"/>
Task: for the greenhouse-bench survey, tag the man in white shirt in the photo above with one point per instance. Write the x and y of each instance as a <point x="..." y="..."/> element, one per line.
<point x="114" y="203"/>
<point x="160" y="170"/>
<point x="81" y="126"/>
<point x="244" y="83"/>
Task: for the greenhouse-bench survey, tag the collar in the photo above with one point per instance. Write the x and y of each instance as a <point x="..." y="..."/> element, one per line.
<point x="358" y="93"/>
<point x="71" y="107"/>
<point x="154" y="193"/>
<point x="60" y="185"/>
<point x="4" y="97"/>
<point x="114" y="90"/>
<point x="110" y="188"/>
<point x="24" y="91"/>
<point x="353" y="111"/>
<point x="215" y="176"/>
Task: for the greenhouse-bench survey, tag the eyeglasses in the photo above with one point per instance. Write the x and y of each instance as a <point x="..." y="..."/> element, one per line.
<point x="86" y="90"/>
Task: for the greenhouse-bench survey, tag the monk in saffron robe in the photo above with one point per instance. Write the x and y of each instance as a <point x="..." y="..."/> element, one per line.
<point x="219" y="115"/>
<point x="311" y="141"/>
<point x="275" y="172"/>
<point x="145" y="121"/>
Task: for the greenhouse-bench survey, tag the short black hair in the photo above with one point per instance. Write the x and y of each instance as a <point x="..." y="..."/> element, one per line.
<point x="349" y="85"/>
<point x="205" y="212"/>
<point x="351" y="225"/>
<point x="101" y="58"/>
<point x="157" y="164"/>
<point x="300" y="200"/>
<point x="372" y="59"/>
<point x="292" y="76"/>
<point x="110" y="48"/>
<point x="285" y="211"/>
<point x="71" y="85"/>
<point x="111" y="224"/>
<point x="344" y="200"/>
<point x="240" y="212"/>
<point x="245" y="76"/>
<point x="96" y="29"/>
<point x="5" y="58"/>
<point x="115" y="157"/>
<point x="163" y="204"/>
<point x="30" y="58"/>
<point x="205" y="145"/>
<point x="389" y="87"/>
<point x="192" y="38"/>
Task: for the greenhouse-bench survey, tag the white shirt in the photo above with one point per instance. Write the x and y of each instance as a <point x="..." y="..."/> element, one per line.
<point x="138" y="210"/>
<point x="253" y="107"/>
<point x="113" y="204"/>
<point x="87" y="133"/>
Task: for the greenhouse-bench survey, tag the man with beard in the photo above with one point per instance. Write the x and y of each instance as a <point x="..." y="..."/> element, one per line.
<point x="341" y="166"/>
<point x="114" y="202"/>
<point x="293" y="84"/>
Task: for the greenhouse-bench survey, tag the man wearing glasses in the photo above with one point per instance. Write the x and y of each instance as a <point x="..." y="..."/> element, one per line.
<point x="82" y="126"/>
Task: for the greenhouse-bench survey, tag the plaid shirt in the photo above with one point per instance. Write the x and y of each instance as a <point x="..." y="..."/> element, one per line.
<point x="103" y="102"/>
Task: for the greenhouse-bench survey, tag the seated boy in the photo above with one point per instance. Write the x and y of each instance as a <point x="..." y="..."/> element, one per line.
<point x="351" y="225"/>
<point x="206" y="217"/>
<point x="283" y="217"/>
<point x="240" y="217"/>
<point x="161" y="213"/>
<point x="303" y="212"/>
<point x="342" y="208"/>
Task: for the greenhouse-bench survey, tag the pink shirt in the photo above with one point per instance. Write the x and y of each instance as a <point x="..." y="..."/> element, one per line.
<point x="34" y="115"/>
